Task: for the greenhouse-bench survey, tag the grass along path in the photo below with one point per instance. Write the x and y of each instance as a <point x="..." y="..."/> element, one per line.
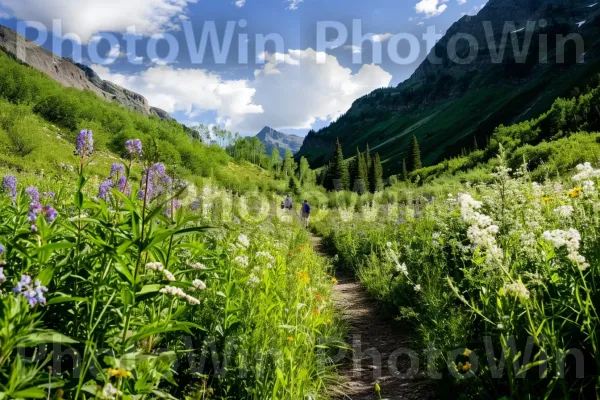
<point x="377" y="343"/>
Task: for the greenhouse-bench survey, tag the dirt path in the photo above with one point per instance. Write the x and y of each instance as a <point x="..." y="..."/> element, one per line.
<point x="369" y="331"/>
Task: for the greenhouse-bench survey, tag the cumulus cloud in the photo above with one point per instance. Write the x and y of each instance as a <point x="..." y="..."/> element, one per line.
<point x="381" y="37"/>
<point x="290" y="91"/>
<point x="87" y="17"/>
<point x="461" y="2"/>
<point x="431" y="8"/>
<point x="240" y="3"/>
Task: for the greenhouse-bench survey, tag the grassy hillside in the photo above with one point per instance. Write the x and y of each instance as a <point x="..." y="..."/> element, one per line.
<point x="39" y="120"/>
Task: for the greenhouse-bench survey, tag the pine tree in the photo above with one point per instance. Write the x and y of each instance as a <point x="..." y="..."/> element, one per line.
<point x="339" y="169"/>
<point x="359" y="179"/>
<point x="404" y="170"/>
<point x="475" y="145"/>
<point x="414" y="155"/>
<point x="376" y="175"/>
<point x="368" y="160"/>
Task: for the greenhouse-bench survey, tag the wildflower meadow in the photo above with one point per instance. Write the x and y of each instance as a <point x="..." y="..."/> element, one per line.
<point x="131" y="289"/>
<point x="497" y="280"/>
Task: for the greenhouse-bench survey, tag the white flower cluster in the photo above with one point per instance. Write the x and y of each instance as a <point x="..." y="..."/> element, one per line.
<point x="253" y="280"/>
<point x="586" y="172"/>
<point x="198" y="266"/>
<point x="109" y="392"/>
<point x="241" y="260"/>
<point x="402" y="268"/>
<point x="198" y="284"/>
<point x="564" y="211"/>
<point x="517" y="289"/>
<point x="158" y="267"/>
<point x="265" y="255"/>
<point x="571" y="240"/>
<point x="482" y="231"/>
<point x="177" y="292"/>
<point x="243" y="241"/>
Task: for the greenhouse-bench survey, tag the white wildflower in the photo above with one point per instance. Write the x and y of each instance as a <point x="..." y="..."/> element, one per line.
<point x="389" y="244"/>
<point x="198" y="266"/>
<point x="585" y="172"/>
<point x="241" y="260"/>
<point x="265" y="255"/>
<point x="570" y="239"/>
<point x="155" y="266"/>
<point x="243" y="241"/>
<point x="109" y="392"/>
<point x="168" y="275"/>
<point x="253" y="280"/>
<point x="417" y="288"/>
<point x="198" y="284"/>
<point x="517" y="289"/>
<point x="402" y="268"/>
<point x="564" y="211"/>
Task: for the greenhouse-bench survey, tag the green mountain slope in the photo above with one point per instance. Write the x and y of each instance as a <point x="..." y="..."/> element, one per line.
<point x="447" y="105"/>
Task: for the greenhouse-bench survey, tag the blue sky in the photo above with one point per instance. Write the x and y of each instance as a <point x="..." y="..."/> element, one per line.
<point x="290" y="90"/>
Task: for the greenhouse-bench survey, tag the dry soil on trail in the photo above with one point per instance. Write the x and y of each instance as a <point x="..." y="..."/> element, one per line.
<point x="360" y="371"/>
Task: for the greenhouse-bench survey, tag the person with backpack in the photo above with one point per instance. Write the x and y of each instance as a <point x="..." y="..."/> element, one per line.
<point x="305" y="212"/>
<point x="288" y="202"/>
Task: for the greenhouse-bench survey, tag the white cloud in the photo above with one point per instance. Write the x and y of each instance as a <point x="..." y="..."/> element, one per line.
<point x="87" y="17"/>
<point x="461" y="2"/>
<point x="240" y="3"/>
<point x="290" y="91"/>
<point x="381" y="37"/>
<point x="293" y="4"/>
<point x="431" y="8"/>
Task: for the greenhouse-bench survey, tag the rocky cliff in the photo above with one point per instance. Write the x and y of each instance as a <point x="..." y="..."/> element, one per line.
<point x="271" y="138"/>
<point x="71" y="74"/>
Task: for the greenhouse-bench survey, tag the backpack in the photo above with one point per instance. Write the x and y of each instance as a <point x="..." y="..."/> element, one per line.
<point x="307" y="208"/>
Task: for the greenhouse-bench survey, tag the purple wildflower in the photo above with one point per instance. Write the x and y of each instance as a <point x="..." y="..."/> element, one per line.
<point x="104" y="190"/>
<point x="9" y="183"/>
<point x="33" y="292"/>
<point x="85" y="143"/>
<point x="35" y="209"/>
<point x="155" y="182"/>
<point x="33" y="193"/>
<point x="195" y="205"/>
<point x="49" y="195"/>
<point x="34" y="228"/>
<point x="173" y="205"/>
<point x="117" y="169"/>
<point x="2" y="276"/>
<point x="2" y="249"/>
<point x="49" y="213"/>
<point x="134" y="148"/>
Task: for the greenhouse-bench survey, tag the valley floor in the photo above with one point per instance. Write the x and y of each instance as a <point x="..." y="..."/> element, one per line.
<point x="378" y="348"/>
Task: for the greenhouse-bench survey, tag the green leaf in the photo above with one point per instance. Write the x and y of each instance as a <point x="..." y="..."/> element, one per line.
<point x="31" y="393"/>
<point x="34" y="339"/>
<point x="65" y="299"/>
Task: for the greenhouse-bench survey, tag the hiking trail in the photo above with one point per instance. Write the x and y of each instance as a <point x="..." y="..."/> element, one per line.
<point x="368" y="329"/>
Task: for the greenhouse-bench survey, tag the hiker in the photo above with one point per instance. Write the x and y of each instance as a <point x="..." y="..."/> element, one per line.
<point x="288" y="202"/>
<point x="306" y="212"/>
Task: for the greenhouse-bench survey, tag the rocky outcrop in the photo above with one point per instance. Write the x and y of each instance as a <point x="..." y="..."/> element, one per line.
<point x="71" y="74"/>
<point x="271" y="138"/>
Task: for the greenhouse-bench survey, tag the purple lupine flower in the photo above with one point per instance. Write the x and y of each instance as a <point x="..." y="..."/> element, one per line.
<point x="195" y="205"/>
<point x="33" y="193"/>
<point x="49" y="213"/>
<point x="34" y="293"/>
<point x="134" y="148"/>
<point x="85" y="143"/>
<point x="2" y="276"/>
<point x="117" y="169"/>
<point x="175" y="205"/>
<point x="9" y="183"/>
<point x="35" y="209"/>
<point x="104" y="190"/>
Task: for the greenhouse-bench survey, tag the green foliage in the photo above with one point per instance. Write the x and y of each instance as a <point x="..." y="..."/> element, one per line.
<point x="376" y="175"/>
<point x="414" y="155"/>
<point x="338" y="177"/>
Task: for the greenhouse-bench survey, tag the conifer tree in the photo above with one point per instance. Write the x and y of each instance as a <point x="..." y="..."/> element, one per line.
<point x="376" y="174"/>
<point x="368" y="160"/>
<point x="475" y="145"/>
<point x="414" y="155"/>
<point x="404" y="170"/>
<point x="359" y="181"/>
<point x="340" y="168"/>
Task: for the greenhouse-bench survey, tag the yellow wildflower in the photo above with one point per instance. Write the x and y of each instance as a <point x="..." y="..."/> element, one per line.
<point x="290" y="339"/>
<point x="120" y="373"/>
<point x="334" y="281"/>
<point x="467" y="353"/>
<point x="466" y="367"/>
<point x="304" y="278"/>
<point x="548" y="199"/>
<point x="575" y="192"/>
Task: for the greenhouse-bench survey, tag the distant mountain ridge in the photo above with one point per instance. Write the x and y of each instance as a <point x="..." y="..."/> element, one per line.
<point x="284" y="141"/>
<point x="71" y="74"/>
<point x="450" y="106"/>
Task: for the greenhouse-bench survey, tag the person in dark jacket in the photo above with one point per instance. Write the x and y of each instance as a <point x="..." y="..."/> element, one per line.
<point x="306" y="212"/>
